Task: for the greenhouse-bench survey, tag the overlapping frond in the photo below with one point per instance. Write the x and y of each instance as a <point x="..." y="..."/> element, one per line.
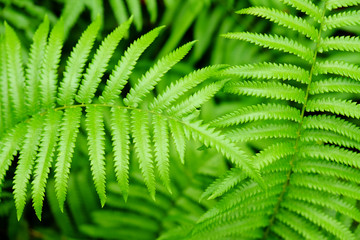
<point x="42" y="113"/>
<point x="309" y="138"/>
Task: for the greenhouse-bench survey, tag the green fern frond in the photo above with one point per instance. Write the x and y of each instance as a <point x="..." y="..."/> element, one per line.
<point x="333" y="4"/>
<point x="119" y="76"/>
<point x="48" y="80"/>
<point x="33" y="70"/>
<point x="342" y="43"/>
<point x="340" y="68"/>
<point x="44" y="158"/>
<point x="344" y="85"/>
<point x="26" y="163"/>
<point x="149" y="79"/>
<point x="342" y="19"/>
<point x="305" y="6"/>
<point x="269" y="71"/>
<point x="15" y="72"/>
<point x="96" y="142"/>
<point x="97" y="67"/>
<point x="76" y="63"/>
<point x="178" y="136"/>
<point x="258" y="112"/>
<point x="141" y="134"/>
<point x="273" y="90"/>
<point x="5" y="107"/>
<point x="120" y="126"/>
<point x="283" y="19"/>
<point x="274" y="42"/>
<point x="69" y="129"/>
<point x="333" y="105"/>
<point x="275" y="130"/>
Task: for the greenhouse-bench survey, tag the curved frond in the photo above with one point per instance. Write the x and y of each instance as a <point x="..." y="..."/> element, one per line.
<point x="335" y="85"/>
<point x="283" y="19"/>
<point x="348" y="18"/>
<point x="258" y="112"/>
<point x="274" y="90"/>
<point x="333" y="105"/>
<point x="333" y="4"/>
<point x="306" y="6"/>
<point x="269" y="71"/>
<point x="342" y="43"/>
<point x="274" y="42"/>
<point x="340" y="68"/>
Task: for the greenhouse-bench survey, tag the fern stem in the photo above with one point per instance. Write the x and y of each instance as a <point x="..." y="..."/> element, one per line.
<point x="296" y="146"/>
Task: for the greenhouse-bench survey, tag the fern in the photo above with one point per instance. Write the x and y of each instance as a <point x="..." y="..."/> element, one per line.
<point x="308" y="133"/>
<point x="52" y="126"/>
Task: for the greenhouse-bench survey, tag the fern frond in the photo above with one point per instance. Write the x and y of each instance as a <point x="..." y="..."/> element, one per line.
<point x="178" y="135"/>
<point x="258" y="112"/>
<point x="15" y="72"/>
<point x="299" y="224"/>
<point x="332" y="153"/>
<point x="320" y="218"/>
<point x="47" y="146"/>
<point x="120" y="74"/>
<point x="342" y="43"/>
<point x="273" y="41"/>
<point x="283" y="19"/>
<point x="33" y="70"/>
<point x="339" y="68"/>
<point x="274" y="90"/>
<point x="286" y="232"/>
<point x="342" y="19"/>
<point x="10" y="144"/>
<point x="334" y="4"/>
<point x="76" y="63"/>
<point x="175" y="90"/>
<point x="273" y="153"/>
<point x="196" y="100"/>
<point x="26" y="162"/>
<point x="223" y="184"/>
<point x="69" y="129"/>
<point x="324" y="200"/>
<point x="141" y="134"/>
<point x="335" y="85"/>
<point x="212" y="138"/>
<point x="327" y="169"/>
<point x="328" y="137"/>
<point x="96" y="142"/>
<point x="269" y="71"/>
<point x="48" y="79"/>
<point x="5" y="112"/>
<point x="333" y="105"/>
<point x="149" y="79"/>
<point x="97" y="67"/>
<point x="305" y="6"/>
<point x="332" y="123"/>
<point x="276" y="130"/>
<point x="120" y="130"/>
<point x="161" y="143"/>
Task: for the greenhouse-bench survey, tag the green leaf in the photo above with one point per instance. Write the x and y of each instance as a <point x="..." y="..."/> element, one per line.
<point x="283" y="19"/>
<point x="178" y="135"/>
<point x="76" y="63"/>
<point x="274" y="41"/>
<point x="161" y="143"/>
<point x="141" y="135"/>
<point x="33" y="70"/>
<point x="120" y="130"/>
<point x="96" y="144"/>
<point x="342" y="19"/>
<point x="97" y="67"/>
<point x="341" y="43"/>
<point x="26" y="162"/>
<point x="48" y="79"/>
<point x="153" y="76"/>
<point x="68" y="133"/>
<point x="306" y="6"/>
<point x="333" y="105"/>
<point x="123" y="69"/>
<point x="44" y="159"/>
<point x="333" y="4"/>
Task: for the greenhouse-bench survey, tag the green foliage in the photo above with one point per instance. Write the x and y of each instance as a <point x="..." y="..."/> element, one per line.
<point x="309" y="119"/>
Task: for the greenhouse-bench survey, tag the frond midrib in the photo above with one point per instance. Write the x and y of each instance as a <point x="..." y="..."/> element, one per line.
<point x="299" y="131"/>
